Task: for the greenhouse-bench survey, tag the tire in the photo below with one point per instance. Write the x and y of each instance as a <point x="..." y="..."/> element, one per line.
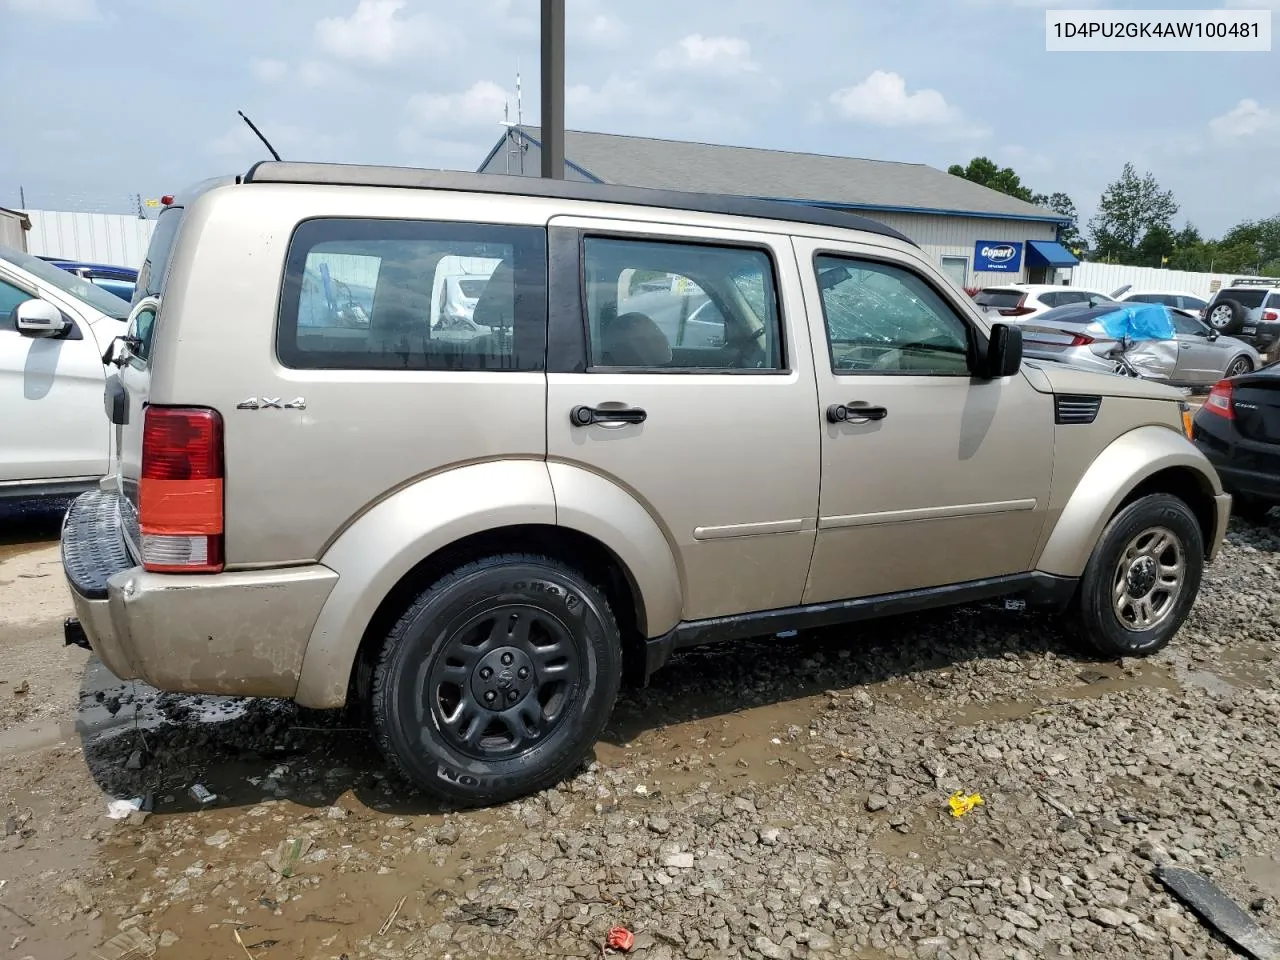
<point x="1240" y="365"/>
<point x="1252" y="511"/>
<point x="1112" y="634"/>
<point x="1226" y="316"/>
<point x="449" y="642"/>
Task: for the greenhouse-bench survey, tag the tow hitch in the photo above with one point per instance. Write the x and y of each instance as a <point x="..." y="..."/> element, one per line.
<point x="73" y="634"/>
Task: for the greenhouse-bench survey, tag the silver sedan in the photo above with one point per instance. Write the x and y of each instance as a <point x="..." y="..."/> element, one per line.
<point x="1197" y="356"/>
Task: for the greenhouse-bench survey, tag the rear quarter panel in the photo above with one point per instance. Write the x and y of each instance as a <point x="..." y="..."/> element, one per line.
<point x="296" y="478"/>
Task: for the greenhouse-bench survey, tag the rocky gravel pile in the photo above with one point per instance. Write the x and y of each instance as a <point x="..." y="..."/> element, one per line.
<point x="781" y="799"/>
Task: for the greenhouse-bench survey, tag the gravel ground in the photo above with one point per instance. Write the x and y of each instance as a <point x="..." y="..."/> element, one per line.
<point x="783" y="798"/>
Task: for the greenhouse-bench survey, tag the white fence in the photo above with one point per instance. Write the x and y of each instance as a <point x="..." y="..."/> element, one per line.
<point x="118" y="239"/>
<point x="1106" y="277"/>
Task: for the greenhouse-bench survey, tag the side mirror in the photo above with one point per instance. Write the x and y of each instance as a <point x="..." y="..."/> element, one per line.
<point x="1213" y="334"/>
<point x="35" y="318"/>
<point x="1004" y="351"/>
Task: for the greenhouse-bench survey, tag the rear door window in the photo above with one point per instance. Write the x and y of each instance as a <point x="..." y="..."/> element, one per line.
<point x="388" y="295"/>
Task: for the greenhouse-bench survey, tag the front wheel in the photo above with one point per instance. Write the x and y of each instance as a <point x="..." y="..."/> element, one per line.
<point x="1142" y="578"/>
<point x="497" y="680"/>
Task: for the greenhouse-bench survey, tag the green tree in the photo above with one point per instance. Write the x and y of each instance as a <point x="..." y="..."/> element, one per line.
<point x="1068" y="234"/>
<point x="1130" y="207"/>
<point x="1157" y="243"/>
<point x="984" y="171"/>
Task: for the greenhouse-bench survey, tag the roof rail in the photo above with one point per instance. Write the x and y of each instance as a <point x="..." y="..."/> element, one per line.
<point x="342" y="174"/>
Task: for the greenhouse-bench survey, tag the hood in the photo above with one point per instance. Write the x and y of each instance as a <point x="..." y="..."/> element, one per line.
<point x="1050" y="377"/>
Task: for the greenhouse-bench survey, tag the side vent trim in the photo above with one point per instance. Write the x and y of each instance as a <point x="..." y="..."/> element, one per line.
<point x="1075" y="408"/>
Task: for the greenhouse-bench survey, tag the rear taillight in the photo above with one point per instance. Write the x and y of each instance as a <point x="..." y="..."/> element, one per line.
<point x="1081" y="340"/>
<point x="1220" y="400"/>
<point x="1018" y="310"/>
<point x="180" y="490"/>
<point x="1270" y="316"/>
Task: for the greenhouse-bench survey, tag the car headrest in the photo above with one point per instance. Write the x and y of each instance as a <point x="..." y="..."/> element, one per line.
<point x="634" y="340"/>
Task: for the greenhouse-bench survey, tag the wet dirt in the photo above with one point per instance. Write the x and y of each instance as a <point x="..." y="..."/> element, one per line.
<point x="843" y="714"/>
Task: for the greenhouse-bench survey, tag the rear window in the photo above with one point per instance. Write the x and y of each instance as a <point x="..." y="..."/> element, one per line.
<point x="1000" y="299"/>
<point x="371" y="294"/>
<point x="1245" y="296"/>
<point x="151" y="276"/>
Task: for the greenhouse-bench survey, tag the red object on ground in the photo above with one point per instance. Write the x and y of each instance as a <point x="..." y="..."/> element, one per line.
<point x="620" y="938"/>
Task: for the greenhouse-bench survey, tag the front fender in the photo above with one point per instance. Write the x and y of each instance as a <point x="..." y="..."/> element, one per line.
<point x="1123" y="465"/>
<point x="378" y="549"/>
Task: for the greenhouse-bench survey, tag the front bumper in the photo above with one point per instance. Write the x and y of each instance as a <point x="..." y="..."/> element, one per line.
<point x="239" y="633"/>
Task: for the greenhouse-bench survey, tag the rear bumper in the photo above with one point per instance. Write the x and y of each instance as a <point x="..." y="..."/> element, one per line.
<point x="1247" y="468"/>
<point x="239" y="633"/>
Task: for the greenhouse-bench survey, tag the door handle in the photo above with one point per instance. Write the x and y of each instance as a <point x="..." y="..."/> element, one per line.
<point x="854" y="412"/>
<point x="584" y="416"/>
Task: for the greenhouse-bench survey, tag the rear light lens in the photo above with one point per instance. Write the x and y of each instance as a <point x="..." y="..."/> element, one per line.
<point x="1081" y="340"/>
<point x="1220" y="400"/>
<point x="1187" y="428"/>
<point x="1271" y="316"/>
<point x="180" y="490"/>
<point x="1016" y="311"/>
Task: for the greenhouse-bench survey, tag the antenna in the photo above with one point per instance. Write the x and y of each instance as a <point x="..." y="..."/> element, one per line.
<point x="264" y="140"/>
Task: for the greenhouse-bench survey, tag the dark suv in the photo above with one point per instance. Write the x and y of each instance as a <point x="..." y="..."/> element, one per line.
<point x="1248" y="309"/>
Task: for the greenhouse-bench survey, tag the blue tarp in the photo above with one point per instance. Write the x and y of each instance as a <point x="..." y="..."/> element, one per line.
<point x="1141" y="321"/>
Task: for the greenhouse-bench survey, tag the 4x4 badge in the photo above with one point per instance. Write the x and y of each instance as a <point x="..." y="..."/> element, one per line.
<point x="253" y="403"/>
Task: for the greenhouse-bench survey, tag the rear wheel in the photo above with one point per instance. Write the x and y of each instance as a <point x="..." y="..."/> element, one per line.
<point x="497" y="680"/>
<point x="1142" y="578"/>
<point x="1238" y="366"/>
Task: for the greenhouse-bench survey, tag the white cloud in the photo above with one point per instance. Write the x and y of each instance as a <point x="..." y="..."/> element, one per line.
<point x="479" y="105"/>
<point x="374" y="33"/>
<point x="604" y="30"/>
<point x="1245" y="119"/>
<point x="715" y="54"/>
<point x="269" y="70"/>
<point x="882" y="99"/>
<point x="58" y="9"/>
<point x="239" y="142"/>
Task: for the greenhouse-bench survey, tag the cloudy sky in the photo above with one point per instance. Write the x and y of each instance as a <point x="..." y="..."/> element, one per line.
<point x="107" y="98"/>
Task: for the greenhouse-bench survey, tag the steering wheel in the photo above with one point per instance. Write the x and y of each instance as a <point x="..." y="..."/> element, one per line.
<point x="748" y="349"/>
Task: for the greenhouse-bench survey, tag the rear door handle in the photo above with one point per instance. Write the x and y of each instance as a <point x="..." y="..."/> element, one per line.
<point x="584" y="416"/>
<point x="854" y="412"/>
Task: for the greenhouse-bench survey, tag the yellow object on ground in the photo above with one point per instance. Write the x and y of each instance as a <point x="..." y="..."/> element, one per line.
<point x="962" y="804"/>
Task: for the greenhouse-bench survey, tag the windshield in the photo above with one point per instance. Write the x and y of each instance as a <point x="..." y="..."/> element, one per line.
<point x="68" y="283"/>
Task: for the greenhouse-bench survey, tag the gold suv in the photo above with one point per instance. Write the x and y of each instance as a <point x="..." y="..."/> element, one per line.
<point x="472" y="448"/>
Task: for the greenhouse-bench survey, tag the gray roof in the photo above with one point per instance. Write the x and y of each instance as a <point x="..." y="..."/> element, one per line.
<point x="781" y="174"/>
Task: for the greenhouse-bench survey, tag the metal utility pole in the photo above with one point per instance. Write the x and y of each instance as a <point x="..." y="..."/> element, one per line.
<point x="553" y="89"/>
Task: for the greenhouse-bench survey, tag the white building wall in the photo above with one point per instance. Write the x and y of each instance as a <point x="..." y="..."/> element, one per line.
<point x="941" y="236"/>
<point x="117" y="239"/>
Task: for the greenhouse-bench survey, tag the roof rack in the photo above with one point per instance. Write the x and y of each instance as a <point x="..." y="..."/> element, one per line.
<point x="343" y="174"/>
<point x="1254" y="282"/>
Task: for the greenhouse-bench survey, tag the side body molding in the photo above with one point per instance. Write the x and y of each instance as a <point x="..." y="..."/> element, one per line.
<point x="594" y="505"/>
<point x="1124" y="464"/>
<point x="388" y="541"/>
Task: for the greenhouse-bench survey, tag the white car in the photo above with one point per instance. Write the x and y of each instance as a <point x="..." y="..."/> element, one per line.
<point x="1022" y="300"/>
<point x="1181" y="300"/>
<point x="55" y="438"/>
